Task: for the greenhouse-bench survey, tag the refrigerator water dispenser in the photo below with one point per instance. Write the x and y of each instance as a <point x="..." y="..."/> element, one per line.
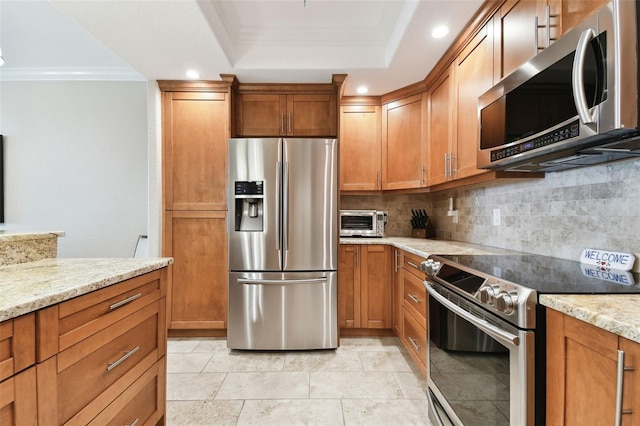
<point x="249" y="202"/>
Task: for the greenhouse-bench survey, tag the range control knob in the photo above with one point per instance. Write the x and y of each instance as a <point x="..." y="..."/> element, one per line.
<point x="488" y="294"/>
<point x="505" y="302"/>
<point x="429" y="266"/>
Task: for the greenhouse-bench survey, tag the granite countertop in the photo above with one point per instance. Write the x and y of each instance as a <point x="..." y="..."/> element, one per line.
<point x="617" y="313"/>
<point x="425" y="247"/>
<point x="7" y="236"/>
<point x="27" y="287"/>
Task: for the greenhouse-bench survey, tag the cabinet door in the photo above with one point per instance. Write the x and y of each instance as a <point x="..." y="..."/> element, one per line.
<point x="311" y="115"/>
<point x="474" y="75"/>
<point x="375" y="303"/>
<point x="441" y="121"/>
<point x="262" y="115"/>
<point x="631" y="390"/>
<point x="402" y="144"/>
<point x="18" y="399"/>
<point x="575" y="11"/>
<point x="197" y="297"/>
<point x="196" y="133"/>
<point x="360" y="146"/>
<point x="348" y="286"/>
<point x="581" y="372"/>
<point x="398" y="290"/>
<point x="515" y="33"/>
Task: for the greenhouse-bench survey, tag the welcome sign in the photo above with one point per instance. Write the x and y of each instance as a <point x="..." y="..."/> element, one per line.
<point x="605" y="260"/>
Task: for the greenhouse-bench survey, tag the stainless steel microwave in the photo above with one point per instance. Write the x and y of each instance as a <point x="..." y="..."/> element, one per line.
<point x="574" y="104"/>
<point x="362" y="223"/>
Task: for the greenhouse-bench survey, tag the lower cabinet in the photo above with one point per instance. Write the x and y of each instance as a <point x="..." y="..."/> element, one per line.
<point x="197" y="296"/>
<point x="101" y="356"/>
<point x="18" y="403"/>
<point x="364" y="286"/>
<point x="414" y="310"/>
<point x="582" y="367"/>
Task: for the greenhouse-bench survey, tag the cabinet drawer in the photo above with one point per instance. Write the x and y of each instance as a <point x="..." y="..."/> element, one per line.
<point x="85" y="315"/>
<point x="17" y="345"/>
<point x="415" y="298"/>
<point x="142" y="403"/>
<point x="411" y="263"/>
<point x="96" y="370"/>
<point x="414" y="338"/>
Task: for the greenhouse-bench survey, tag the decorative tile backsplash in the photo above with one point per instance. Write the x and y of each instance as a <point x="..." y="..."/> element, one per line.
<point x="560" y="215"/>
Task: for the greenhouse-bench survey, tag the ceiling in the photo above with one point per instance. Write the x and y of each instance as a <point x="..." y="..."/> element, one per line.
<point x="383" y="44"/>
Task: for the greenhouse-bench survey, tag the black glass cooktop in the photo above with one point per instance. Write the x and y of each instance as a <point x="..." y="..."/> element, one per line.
<point x="550" y="275"/>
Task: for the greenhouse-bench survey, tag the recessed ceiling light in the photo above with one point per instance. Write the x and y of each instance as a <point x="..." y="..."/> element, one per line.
<point x="193" y="74"/>
<point x="440" y="31"/>
<point x="362" y="90"/>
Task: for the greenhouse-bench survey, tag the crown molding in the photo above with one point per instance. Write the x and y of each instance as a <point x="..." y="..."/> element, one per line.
<point x="69" y="73"/>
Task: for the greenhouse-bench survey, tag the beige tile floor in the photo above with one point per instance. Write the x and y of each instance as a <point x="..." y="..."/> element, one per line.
<point x="366" y="381"/>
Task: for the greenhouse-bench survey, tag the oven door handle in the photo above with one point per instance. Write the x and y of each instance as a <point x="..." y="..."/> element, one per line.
<point x="501" y="336"/>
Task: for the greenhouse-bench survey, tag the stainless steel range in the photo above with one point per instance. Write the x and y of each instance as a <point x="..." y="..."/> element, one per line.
<point x="486" y="352"/>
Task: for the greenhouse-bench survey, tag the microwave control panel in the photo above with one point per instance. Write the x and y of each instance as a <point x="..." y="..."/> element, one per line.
<point x="563" y="133"/>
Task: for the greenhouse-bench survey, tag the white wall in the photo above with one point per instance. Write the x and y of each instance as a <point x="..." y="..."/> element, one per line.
<point x="76" y="160"/>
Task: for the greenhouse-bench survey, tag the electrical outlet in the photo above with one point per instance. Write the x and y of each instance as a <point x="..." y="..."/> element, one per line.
<point x="496" y="217"/>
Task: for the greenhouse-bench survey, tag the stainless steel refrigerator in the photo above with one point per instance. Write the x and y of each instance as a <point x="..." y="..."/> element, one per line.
<point x="283" y="244"/>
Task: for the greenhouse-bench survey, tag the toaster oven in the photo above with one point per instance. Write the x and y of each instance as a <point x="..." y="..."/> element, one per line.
<point x="362" y="223"/>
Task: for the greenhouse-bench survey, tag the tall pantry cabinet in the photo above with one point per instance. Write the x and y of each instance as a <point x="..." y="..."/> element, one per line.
<point x="195" y="133"/>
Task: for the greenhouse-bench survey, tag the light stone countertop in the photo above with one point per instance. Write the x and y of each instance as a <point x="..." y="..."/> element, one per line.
<point x="425" y="247"/>
<point x="27" y="287"/>
<point x="617" y="313"/>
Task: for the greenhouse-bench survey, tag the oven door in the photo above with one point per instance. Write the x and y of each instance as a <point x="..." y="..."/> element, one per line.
<point x="481" y="369"/>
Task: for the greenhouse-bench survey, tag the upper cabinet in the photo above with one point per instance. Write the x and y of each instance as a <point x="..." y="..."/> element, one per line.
<point x="440" y="124"/>
<point x="307" y="110"/>
<point x="523" y="28"/>
<point x="286" y="115"/>
<point x="403" y="150"/>
<point x="195" y="132"/>
<point x="360" y="145"/>
<point x="474" y="75"/>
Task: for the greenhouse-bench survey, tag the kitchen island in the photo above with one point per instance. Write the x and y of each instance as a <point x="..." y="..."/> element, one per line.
<point x="84" y="340"/>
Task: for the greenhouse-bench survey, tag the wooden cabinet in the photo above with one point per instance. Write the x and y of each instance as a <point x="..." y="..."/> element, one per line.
<point x="474" y="76"/>
<point x="197" y="241"/>
<point x="441" y="119"/>
<point x="414" y="310"/>
<point x="581" y="373"/>
<point x="196" y="131"/>
<point x="360" y="148"/>
<point x="364" y="286"/>
<point x="17" y="372"/>
<point x="279" y="114"/>
<point x="398" y="259"/>
<point x="195" y="138"/>
<point x="95" y="353"/>
<point x="403" y="150"/>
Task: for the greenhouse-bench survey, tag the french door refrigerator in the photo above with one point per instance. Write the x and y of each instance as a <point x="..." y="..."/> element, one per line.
<point x="283" y="244"/>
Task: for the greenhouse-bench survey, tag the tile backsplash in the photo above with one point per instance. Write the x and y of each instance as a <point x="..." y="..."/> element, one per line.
<point x="559" y="216"/>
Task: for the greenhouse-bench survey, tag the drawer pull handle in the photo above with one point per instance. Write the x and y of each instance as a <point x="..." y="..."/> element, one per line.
<point x="112" y="365"/>
<point x="413" y="342"/>
<point x="135" y="422"/>
<point x="412" y="297"/>
<point x="413" y="264"/>
<point x="125" y="301"/>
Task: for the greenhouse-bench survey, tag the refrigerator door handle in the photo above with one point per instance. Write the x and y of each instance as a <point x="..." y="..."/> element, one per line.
<point x="302" y="281"/>
<point x="277" y="215"/>
<point x="285" y="206"/>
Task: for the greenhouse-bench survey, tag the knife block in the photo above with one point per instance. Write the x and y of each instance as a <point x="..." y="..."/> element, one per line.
<point x="418" y="233"/>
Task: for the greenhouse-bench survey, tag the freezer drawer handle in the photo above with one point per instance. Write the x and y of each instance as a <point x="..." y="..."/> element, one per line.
<point x="312" y="280"/>
<point x="125" y="301"/>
